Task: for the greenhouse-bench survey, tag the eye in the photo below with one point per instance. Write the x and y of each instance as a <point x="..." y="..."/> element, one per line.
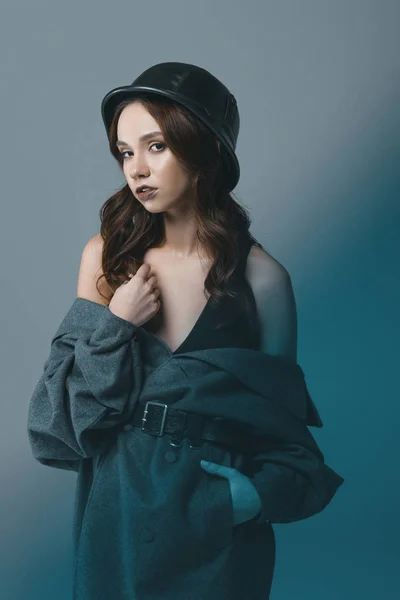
<point x="158" y="144"/>
<point x="153" y="144"/>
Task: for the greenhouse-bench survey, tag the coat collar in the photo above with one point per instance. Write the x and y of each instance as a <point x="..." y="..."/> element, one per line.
<point x="273" y="377"/>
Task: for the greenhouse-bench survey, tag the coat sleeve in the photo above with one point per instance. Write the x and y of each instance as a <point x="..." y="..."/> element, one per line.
<point x="90" y="384"/>
<point x="287" y="467"/>
<point x="293" y="481"/>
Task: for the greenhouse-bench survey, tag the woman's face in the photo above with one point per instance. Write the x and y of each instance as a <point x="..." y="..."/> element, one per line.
<point x="149" y="161"/>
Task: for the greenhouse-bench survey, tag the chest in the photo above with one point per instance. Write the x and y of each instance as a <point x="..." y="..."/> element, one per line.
<point x="182" y="295"/>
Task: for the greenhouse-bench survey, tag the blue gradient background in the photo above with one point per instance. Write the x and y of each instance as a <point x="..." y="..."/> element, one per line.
<point x="318" y="89"/>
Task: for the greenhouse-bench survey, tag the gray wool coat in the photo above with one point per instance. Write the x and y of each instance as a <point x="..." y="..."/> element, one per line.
<point x="149" y="522"/>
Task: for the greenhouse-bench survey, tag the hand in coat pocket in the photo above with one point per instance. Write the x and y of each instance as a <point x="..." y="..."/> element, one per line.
<point x="246" y="500"/>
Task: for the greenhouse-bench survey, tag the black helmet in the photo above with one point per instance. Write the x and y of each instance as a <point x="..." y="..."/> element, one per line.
<point x="198" y="91"/>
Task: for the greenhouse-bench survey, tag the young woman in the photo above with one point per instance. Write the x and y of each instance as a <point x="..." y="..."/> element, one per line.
<point x="182" y="324"/>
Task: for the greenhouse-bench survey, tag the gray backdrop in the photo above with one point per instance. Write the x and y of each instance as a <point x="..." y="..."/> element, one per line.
<point x="317" y="85"/>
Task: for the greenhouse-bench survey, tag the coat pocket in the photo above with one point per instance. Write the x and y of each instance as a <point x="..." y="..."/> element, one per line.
<point x="218" y="509"/>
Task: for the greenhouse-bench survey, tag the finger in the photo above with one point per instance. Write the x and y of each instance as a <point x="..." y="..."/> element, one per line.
<point x="143" y="271"/>
<point x="216" y="469"/>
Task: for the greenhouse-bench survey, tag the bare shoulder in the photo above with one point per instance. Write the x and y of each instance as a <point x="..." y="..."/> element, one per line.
<point x="90" y="270"/>
<point x="263" y="271"/>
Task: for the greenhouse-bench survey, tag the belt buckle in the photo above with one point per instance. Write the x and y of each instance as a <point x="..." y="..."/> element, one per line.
<point x="144" y="418"/>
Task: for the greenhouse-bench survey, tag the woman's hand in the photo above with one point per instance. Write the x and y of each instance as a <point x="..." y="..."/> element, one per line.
<point x="246" y="500"/>
<point x="137" y="299"/>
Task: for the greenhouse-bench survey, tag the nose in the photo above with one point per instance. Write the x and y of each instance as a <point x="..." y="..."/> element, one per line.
<point x="138" y="167"/>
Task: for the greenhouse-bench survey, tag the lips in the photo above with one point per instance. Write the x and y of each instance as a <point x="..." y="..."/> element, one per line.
<point x="147" y="195"/>
<point x="144" y="188"/>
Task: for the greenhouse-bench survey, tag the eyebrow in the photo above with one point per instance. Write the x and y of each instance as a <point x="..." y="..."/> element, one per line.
<point x="145" y="137"/>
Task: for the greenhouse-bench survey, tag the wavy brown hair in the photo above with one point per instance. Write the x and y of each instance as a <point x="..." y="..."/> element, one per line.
<point x="128" y="229"/>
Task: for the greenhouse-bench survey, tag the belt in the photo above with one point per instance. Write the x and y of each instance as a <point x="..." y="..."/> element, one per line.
<point x="158" y="419"/>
